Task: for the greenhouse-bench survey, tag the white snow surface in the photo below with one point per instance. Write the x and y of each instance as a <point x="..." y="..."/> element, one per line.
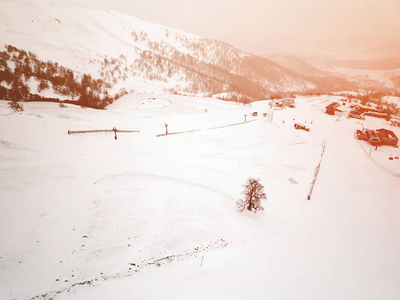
<point x="72" y="35"/>
<point x="85" y="216"/>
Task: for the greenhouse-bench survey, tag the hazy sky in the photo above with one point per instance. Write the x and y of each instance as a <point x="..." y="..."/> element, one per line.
<point x="271" y="26"/>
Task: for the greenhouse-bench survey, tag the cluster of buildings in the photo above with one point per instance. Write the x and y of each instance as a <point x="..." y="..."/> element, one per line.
<point x="282" y="103"/>
<point x="357" y="111"/>
<point x="378" y="137"/>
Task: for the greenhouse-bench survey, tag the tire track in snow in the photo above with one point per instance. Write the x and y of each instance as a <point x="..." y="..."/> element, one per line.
<point x="163" y="178"/>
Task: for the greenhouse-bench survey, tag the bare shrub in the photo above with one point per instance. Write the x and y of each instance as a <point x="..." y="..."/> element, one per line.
<point x="253" y="194"/>
<point x="15" y="106"/>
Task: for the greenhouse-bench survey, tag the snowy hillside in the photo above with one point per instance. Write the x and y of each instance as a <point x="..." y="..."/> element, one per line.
<point x="326" y="80"/>
<point x="85" y="216"/>
<point x="128" y="54"/>
<point x="298" y="65"/>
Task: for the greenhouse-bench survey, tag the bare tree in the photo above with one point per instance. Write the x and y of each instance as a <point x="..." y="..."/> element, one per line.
<point x="253" y="194"/>
<point x="15" y="106"/>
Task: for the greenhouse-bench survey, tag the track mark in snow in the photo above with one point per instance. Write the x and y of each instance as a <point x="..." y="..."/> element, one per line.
<point x="298" y="140"/>
<point x="221" y="243"/>
<point x="8" y="145"/>
<point x="11" y="146"/>
<point x="286" y="166"/>
<point x="154" y="103"/>
<point x="162" y="178"/>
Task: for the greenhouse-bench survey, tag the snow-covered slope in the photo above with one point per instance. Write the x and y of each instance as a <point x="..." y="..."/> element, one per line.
<point x="74" y="36"/>
<point x="131" y="54"/>
<point x="326" y="80"/>
<point x="298" y="65"/>
<point x="84" y="216"/>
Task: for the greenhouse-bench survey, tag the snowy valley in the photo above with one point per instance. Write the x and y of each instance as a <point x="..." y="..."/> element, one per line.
<point x="120" y="175"/>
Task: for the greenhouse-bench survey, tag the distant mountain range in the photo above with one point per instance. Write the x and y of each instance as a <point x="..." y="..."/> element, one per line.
<point x="54" y="50"/>
<point x="386" y="64"/>
<point x="300" y="66"/>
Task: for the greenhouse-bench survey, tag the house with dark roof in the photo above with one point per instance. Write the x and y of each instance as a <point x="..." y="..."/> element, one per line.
<point x="387" y="137"/>
<point x="372" y="137"/>
<point x="377" y="114"/>
<point x="331" y="108"/>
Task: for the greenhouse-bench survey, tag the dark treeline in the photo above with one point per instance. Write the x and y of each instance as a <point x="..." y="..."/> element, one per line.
<point x="17" y="67"/>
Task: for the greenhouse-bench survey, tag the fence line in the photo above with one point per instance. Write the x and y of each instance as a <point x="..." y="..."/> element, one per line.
<point x="395" y="174"/>
<point x="115" y="130"/>
<point x="316" y="171"/>
<point x="100" y="130"/>
<point x="197" y="130"/>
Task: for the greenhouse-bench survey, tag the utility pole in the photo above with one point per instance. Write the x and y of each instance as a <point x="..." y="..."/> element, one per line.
<point x="166" y="128"/>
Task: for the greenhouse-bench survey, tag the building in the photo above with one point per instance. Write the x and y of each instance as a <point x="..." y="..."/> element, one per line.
<point x="282" y="103"/>
<point x="372" y="137"/>
<point x="301" y="126"/>
<point x="331" y="108"/>
<point x="387" y="137"/>
<point x="355" y="115"/>
<point x="377" y="114"/>
<point x="368" y="135"/>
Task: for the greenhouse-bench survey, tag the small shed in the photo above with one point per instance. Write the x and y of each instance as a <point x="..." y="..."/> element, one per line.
<point x="301" y="126"/>
<point x="387" y="137"/>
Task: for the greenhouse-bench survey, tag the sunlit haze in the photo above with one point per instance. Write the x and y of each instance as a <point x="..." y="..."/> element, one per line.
<point x="341" y="27"/>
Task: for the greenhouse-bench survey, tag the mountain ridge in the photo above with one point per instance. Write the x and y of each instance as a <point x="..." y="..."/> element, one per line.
<point x="129" y="54"/>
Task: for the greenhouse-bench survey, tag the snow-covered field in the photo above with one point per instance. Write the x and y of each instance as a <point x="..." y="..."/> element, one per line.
<point x="84" y="216"/>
